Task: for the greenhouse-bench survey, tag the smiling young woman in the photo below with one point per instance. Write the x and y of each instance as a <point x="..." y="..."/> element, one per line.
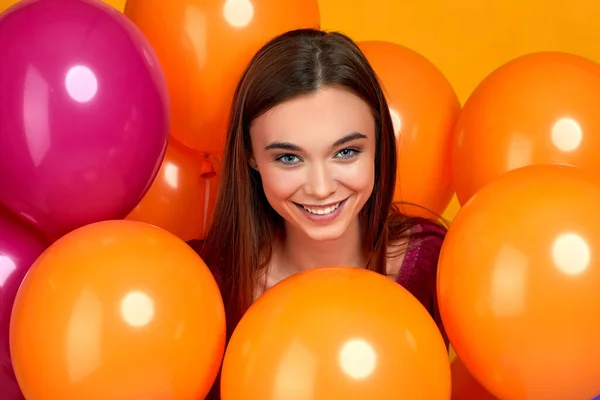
<point x="308" y="177"/>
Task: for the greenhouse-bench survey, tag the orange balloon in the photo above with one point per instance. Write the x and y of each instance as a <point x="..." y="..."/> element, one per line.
<point x="465" y="386"/>
<point x="539" y="108"/>
<point x="204" y="46"/>
<point x="519" y="284"/>
<point x="117" y="310"/>
<point x="336" y="333"/>
<point x="180" y="198"/>
<point x="424" y="109"/>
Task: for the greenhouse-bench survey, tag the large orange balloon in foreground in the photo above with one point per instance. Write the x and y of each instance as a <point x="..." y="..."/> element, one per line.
<point x="539" y="108"/>
<point x="203" y="47"/>
<point x="117" y="310"/>
<point x="519" y="284"/>
<point x="336" y="333"/>
<point x="424" y="109"/>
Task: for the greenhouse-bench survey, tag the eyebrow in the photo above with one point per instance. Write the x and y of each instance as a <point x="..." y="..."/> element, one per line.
<point x="293" y="147"/>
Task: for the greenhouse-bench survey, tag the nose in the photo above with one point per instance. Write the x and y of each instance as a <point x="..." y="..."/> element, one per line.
<point x="320" y="182"/>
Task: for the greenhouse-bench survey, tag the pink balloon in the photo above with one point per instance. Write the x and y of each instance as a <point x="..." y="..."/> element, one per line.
<point x="20" y="246"/>
<point x="84" y="113"/>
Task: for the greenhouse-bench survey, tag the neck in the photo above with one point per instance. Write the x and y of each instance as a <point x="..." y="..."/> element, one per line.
<point x="299" y="253"/>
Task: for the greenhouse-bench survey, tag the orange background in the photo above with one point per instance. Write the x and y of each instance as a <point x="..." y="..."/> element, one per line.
<point x="468" y="39"/>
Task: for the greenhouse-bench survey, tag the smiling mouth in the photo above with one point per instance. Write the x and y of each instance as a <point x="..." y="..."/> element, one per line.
<point x="315" y="210"/>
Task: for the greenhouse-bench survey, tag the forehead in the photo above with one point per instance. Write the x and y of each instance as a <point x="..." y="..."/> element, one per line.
<point x="316" y="118"/>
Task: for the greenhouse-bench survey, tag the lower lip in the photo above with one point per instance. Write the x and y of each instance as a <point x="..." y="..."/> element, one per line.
<point x="323" y="218"/>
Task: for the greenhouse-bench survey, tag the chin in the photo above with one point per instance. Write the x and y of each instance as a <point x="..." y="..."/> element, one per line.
<point x="325" y="233"/>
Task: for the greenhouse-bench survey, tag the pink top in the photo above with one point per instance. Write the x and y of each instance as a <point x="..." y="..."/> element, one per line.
<point x="417" y="274"/>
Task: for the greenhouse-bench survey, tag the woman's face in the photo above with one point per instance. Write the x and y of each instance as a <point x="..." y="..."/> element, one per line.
<point x="316" y="157"/>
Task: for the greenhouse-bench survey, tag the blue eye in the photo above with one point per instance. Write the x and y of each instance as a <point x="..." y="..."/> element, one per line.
<point x="288" y="159"/>
<point x="347" y="153"/>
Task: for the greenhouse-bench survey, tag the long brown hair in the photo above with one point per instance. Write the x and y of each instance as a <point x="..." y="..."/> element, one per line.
<point x="244" y="226"/>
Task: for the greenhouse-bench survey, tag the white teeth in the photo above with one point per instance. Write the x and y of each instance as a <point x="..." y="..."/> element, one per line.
<point x="322" y="211"/>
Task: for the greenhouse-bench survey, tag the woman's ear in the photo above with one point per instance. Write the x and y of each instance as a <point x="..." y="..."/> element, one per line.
<point x="252" y="163"/>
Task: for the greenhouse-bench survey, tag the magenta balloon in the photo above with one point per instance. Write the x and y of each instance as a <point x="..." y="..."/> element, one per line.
<point x="84" y="113"/>
<point x="20" y="246"/>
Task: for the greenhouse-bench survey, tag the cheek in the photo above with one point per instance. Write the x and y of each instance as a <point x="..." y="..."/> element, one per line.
<point x="359" y="176"/>
<point x="279" y="185"/>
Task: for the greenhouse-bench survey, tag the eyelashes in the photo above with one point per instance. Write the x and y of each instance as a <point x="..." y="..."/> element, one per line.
<point x="288" y="159"/>
<point x="348" y="153"/>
